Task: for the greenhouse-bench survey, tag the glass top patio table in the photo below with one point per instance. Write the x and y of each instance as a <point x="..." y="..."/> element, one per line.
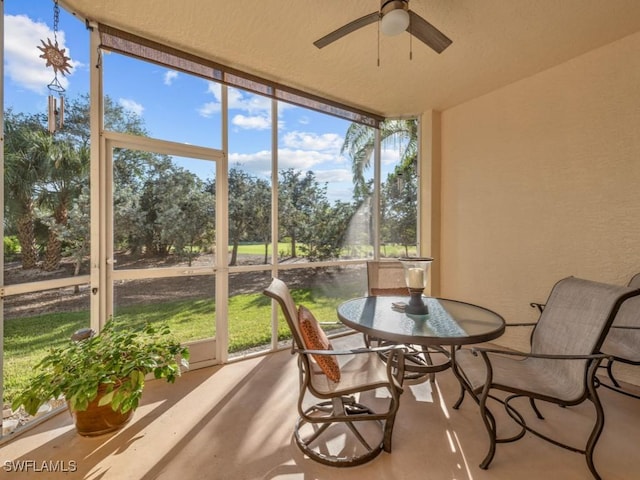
<point x="449" y="322"/>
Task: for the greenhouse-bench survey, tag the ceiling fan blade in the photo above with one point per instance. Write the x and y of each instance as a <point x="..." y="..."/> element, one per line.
<point x="346" y="29"/>
<point x="427" y="33"/>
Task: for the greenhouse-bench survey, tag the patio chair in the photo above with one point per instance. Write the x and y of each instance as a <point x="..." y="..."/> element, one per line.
<point x="342" y="421"/>
<point x="622" y="343"/>
<point x="560" y="367"/>
<point x="386" y="278"/>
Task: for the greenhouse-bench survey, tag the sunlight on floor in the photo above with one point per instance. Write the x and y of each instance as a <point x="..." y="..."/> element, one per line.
<point x="462" y="455"/>
<point x="422" y="392"/>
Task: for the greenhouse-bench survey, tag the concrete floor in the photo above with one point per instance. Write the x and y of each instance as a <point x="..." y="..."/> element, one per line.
<point x="235" y="422"/>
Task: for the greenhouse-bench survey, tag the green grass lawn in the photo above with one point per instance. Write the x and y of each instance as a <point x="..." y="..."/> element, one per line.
<point x="28" y="339"/>
<point x="388" y="250"/>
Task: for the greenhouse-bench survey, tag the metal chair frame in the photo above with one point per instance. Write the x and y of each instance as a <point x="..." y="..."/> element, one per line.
<point x="335" y="403"/>
<point x="615" y="345"/>
<point x="481" y="380"/>
<point x="625" y="326"/>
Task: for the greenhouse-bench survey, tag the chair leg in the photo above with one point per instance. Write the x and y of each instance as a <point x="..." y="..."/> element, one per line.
<point x="456" y="405"/>
<point x="490" y="425"/>
<point x="388" y="433"/>
<point x="332" y="413"/>
<point x="597" y="430"/>
<point x="534" y="407"/>
<point x="461" y="380"/>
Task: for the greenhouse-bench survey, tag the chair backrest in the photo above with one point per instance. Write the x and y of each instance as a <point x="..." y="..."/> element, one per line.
<point x="624" y="343"/>
<point x="279" y="291"/>
<point x="386" y="277"/>
<point x="577" y="316"/>
<point x="629" y="314"/>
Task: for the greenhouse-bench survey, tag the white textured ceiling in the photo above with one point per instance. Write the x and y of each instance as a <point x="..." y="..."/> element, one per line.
<point x="495" y="42"/>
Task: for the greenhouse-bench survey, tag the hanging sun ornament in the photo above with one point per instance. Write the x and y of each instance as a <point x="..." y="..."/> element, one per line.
<point x="56" y="58"/>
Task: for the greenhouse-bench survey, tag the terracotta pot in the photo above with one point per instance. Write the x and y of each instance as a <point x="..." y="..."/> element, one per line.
<point x="98" y="420"/>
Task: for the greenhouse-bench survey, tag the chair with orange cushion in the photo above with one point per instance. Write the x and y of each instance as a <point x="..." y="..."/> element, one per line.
<point x="346" y="423"/>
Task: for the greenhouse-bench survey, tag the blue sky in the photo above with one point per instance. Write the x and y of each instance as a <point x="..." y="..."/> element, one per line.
<point x="173" y="105"/>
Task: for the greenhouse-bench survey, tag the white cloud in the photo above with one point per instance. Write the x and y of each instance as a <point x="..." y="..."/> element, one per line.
<point x="313" y="141"/>
<point x="303" y="159"/>
<point x="390" y="156"/>
<point x="170" y="76"/>
<point x="131" y="105"/>
<point x="253" y="104"/>
<point x="214" y="89"/>
<point x="257" y="122"/>
<point x="334" y="176"/>
<point x="23" y="64"/>
<point x="209" y="109"/>
<point x="259" y="163"/>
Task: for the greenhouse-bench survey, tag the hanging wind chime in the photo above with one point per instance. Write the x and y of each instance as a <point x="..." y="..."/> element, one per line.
<point x="56" y="58"/>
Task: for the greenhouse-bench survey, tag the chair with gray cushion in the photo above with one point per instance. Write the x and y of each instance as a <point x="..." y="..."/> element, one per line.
<point x="560" y="368"/>
<point x="622" y="343"/>
<point x="342" y="421"/>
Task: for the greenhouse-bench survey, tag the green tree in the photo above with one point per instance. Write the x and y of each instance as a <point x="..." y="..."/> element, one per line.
<point x="324" y="237"/>
<point x="24" y="168"/>
<point x="66" y="174"/>
<point x="359" y="143"/>
<point x="261" y="221"/>
<point x="76" y="233"/>
<point x="399" y="208"/>
<point x="296" y="196"/>
<point x="398" y="212"/>
<point x="184" y="213"/>
<point x="45" y="173"/>
<point x="242" y="208"/>
<point x="157" y="189"/>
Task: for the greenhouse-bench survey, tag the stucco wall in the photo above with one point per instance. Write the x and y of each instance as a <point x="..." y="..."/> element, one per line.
<point x="541" y="180"/>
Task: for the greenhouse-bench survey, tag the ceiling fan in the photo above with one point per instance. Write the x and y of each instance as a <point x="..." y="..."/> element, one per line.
<point x="394" y="17"/>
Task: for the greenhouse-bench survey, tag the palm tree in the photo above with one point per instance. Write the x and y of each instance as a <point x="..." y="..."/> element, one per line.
<point x="359" y="142"/>
<point x="67" y="172"/>
<point x="24" y="168"/>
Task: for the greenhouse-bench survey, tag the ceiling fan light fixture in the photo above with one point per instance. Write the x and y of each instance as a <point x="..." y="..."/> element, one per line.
<point x="396" y="19"/>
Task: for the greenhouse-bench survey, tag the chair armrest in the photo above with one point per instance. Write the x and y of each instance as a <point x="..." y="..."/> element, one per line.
<point x="485" y="351"/>
<point x="396" y="351"/>
<point x="354" y="351"/>
<point x="539" y="306"/>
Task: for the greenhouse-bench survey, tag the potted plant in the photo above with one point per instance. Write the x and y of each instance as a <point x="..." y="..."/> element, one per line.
<point x="101" y="377"/>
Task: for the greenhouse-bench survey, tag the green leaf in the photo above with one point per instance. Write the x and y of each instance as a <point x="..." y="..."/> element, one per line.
<point x="105" y="399"/>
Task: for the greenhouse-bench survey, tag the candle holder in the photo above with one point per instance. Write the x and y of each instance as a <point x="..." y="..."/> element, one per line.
<point x="416" y="305"/>
<point x="416" y="270"/>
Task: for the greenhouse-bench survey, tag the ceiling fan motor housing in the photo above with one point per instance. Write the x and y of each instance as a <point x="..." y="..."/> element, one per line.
<point x="394" y="16"/>
<point x="388" y="5"/>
